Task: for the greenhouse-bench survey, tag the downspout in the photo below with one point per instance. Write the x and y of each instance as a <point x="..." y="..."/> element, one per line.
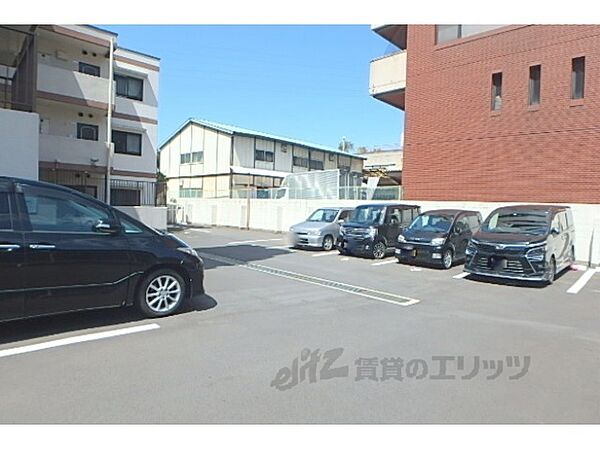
<point x="109" y="145"/>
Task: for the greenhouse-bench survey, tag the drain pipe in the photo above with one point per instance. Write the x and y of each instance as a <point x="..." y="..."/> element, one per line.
<point x="109" y="144"/>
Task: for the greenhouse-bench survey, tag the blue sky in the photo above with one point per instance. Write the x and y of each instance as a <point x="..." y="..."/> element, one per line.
<point x="308" y="82"/>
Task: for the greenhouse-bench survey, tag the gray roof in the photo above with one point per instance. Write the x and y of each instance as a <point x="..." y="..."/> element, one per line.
<point x="232" y="129"/>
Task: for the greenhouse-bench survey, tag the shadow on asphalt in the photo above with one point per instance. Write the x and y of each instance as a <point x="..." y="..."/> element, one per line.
<point x="21" y="330"/>
<point x="518" y="283"/>
<point x="242" y="252"/>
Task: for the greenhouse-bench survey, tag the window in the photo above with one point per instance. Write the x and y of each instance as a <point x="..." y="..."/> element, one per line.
<point x="300" y="161"/>
<point x="185" y="158"/>
<point x="197" y="157"/>
<point x="89" y="69"/>
<point x="60" y="212"/>
<point x="264" y="155"/>
<point x="130" y="227"/>
<point x="496" y="91"/>
<point x="87" y="132"/>
<point x="190" y="192"/>
<point x="474" y="222"/>
<point x="5" y="220"/>
<point x="130" y="87"/>
<point x="316" y="164"/>
<point x="535" y="76"/>
<point x="345" y="215"/>
<point x="577" y="77"/>
<point x="127" y="143"/>
<point x="124" y="197"/>
<point x="462" y="225"/>
<point x="445" y="33"/>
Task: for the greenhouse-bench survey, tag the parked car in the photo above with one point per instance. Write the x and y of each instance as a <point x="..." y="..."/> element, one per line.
<point x="525" y="242"/>
<point x="321" y="229"/>
<point x="438" y="237"/>
<point x="62" y="251"/>
<point x="372" y="229"/>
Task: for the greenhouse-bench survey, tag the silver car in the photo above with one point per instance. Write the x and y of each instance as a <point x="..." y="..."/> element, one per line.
<point x="321" y="229"/>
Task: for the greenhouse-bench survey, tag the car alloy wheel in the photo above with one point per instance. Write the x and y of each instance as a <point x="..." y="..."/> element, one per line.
<point x="327" y="243"/>
<point x="163" y="294"/>
<point x="379" y="250"/>
<point x="447" y="260"/>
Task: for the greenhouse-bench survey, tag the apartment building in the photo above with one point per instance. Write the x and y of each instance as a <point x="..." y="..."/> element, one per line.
<point x="495" y="112"/>
<point x="209" y="159"/>
<point x="95" y="106"/>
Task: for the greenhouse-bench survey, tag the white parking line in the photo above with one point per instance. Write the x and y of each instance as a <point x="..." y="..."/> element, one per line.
<point x="199" y="230"/>
<point x="461" y="275"/>
<point x="383" y="263"/>
<point x="76" y="340"/>
<point x="582" y="281"/>
<point x="255" y="240"/>
<point x="282" y="247"/>
<point x="345" y="258"/>
<point x="324" y="254"/>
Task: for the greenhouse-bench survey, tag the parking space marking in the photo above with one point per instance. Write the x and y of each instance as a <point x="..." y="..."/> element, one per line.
<point x="199" y="230"/>
<point x="461" y="275"/>
<point x="324" y="254"/>
<point x="253" y="241"/>
<point x="345" y="258"/>
<point x="77" y="340"/>
<point x="282" y="247"/>
<point x="383" y="263"/>
<point x="386" y="297"/>
<point x="582" y="281"/>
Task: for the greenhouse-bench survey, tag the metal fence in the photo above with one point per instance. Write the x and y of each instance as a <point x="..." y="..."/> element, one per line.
<point x="344" y="193"/>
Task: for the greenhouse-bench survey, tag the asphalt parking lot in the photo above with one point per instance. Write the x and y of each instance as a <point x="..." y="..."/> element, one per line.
<point x="301" y="336"/>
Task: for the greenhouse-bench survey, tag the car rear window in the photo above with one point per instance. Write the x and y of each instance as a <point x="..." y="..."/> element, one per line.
<point x="5" y="220"/>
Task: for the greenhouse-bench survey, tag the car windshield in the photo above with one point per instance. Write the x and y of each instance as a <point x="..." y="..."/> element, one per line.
<point x="431" y="222"/>
<point x="527" y="222"/>
<point x="367" y="215"/>
<point x="323" y="215"/>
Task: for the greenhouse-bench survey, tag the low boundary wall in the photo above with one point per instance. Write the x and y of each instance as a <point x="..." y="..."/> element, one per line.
<point x="279" y="215"/>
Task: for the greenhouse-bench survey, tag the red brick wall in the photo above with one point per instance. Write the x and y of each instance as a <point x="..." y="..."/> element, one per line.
<point x="456" y="148"/>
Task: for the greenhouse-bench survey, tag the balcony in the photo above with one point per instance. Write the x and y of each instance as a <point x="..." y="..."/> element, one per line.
<point x="58" y="84"/>
<point x="387" y="81"/>
<point x="68" y="150"/>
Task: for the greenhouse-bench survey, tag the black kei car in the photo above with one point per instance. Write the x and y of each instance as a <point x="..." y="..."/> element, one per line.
<point x="372" y="229"/>
<point x="63" y="251"/>
<point x="438" y="237"/>
<point x="524" y="242"/>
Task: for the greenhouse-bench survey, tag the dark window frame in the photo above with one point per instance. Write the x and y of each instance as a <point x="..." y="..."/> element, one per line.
<point x="126" y="150"/>
<point x="9" y="213"/>
<point x="496" y="91"/>
<point x="301" y="159"/>
<point x="578" y="78"/>
<point x="127" y="94"/>
<point x="262" y="155"/>
<point x="535" y="85"/>
<point x="81" y="126"/>
<point x="83" y="66"/>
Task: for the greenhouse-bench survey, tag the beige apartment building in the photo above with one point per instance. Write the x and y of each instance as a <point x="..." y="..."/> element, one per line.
<point x="209" y="159"/>
<point x="78" y="110"/>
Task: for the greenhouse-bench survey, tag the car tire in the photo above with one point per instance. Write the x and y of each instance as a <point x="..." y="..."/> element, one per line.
<point x="552" y="273"/>
<point x="447" y="259"/>
<point x="378" y="250"/>
<point x="328" y="243"/>
<point x="161" y="293"/>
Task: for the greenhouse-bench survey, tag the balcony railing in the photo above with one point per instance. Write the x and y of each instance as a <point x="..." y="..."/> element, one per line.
<point x="387" y="81"/>
<point x="73" y="151"/>
<point x="68" y="83"/>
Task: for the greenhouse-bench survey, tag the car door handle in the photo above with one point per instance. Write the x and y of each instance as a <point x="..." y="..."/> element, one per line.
<point x="9" y="247"/>
<point x="42" y="246"/>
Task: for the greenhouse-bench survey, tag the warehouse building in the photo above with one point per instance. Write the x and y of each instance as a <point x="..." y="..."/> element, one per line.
<point x="208" y="159"/>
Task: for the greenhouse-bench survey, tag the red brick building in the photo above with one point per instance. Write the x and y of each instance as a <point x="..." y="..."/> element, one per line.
<point x="496" y="113"/>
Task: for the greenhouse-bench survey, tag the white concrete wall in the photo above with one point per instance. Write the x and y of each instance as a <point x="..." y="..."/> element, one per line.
<point x="152" y="216"/>
<point x="72" y="84"/>
<point x="19" y="144"/>
<point x="279" y="215"/>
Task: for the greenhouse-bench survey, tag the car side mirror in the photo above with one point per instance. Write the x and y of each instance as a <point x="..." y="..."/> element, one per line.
<point x="555" y="230"/>
<point x="107" y="227"/>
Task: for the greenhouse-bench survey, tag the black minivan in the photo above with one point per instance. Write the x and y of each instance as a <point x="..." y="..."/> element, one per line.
<point x="438" y="237"/>
<point x="372" y="229"/>
<point x="524" y="242"/>
<point x="63" y="251"/>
